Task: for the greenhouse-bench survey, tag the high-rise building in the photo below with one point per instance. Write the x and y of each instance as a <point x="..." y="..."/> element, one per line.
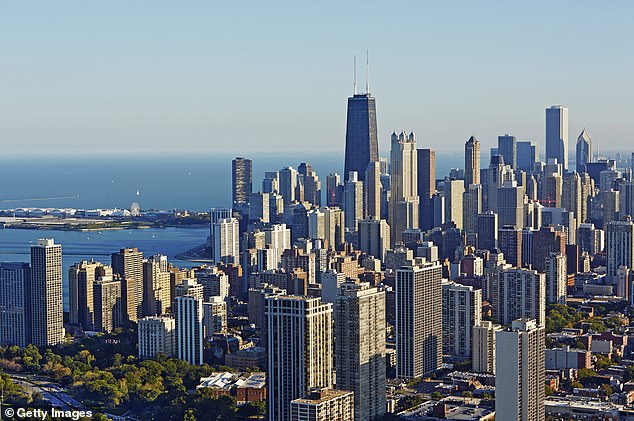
<point x="362" y="145"/>
<point x="619" y="247"/>
<point x="511" y="204"/>
<point x="545" y="241"/>
<point x="484" y="347"/>
<point x="556" y="279"/>
<point x="471" y="208"/>
<point x="584" y="151"/>
<point x="426" y="173"/>
<point x="374" y="237"/>
<point x="214" y="282"/>
<point x="404" y="201"/>
<point x="47" y="313"/>
<point x="507" y="147"/>
<point x="510" y="242"/>
<point x="288" y="184"/>
<point x="157" y="296"/>
<point x="353" y="201"/>
<point x="372" y="190"/>
<point x="360" y="347"/>
<point x="108" y="304"/>
<point x="271" y="182"/>
<point x="589" y="239"/>
<point x="157" y="334"/>
<point x="15" y="317"/>
<point x="242" y="179"/>
<point x="128" y="265"/>
<point x="526" y="156"/>
<point x="461" y="311"/>
<point x="557" y="135"/>
<point x="488" y="231"/>
<point x="571" y="196"/>
<point x="189" y="321"/>
<point x="471" y="162"/>
<point x="225" y="241"/>
<point x="453" y="201"/>
<point x="322" y="404"/>
<point x="418" y="320"/>
<point x="518" y="293"/>
<point x="215" y="316"/>
<point x="520" y="372"/>
<point x="334" y="190"/>
<point x="81" y="280"/>
<point x="299" y="344"/>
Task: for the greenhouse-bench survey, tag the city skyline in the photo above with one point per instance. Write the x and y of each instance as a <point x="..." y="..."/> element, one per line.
<point x="78" y="85"/>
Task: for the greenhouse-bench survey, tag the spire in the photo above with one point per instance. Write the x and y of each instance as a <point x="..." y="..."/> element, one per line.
<point x="355" y="70"/>
<point x="367" y="69"/>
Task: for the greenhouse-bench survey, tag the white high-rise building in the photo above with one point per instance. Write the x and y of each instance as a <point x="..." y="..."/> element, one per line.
<point x="188" y="307"/>
<point x="556" y="279"/>
<point x="520" y="372"/>
<point x="353" y="201"/>
<point x="454" y="190"/>
<point x="288" y="184"/>
<point x="215" y="315"/>
<point x="372" y="190"/>
<point x="519" y="293"/>
<point x="225" y="246"/>
<point x="278" y="238"/>
<point x="47" y="313"/>
<point x="619" y="247"/>
<point x="461" y="311"/>
<point x="418" y="320"/>
<point x="214" y="281"/>
<point x="299" y="344"/>
<point x="557" y="134"/>
<point x="360" y="347"/>
<point x="404" y="201"/>
<point x="157" y="334"/>
<point x="157" y="296"/>
<point x="484" y="347"/>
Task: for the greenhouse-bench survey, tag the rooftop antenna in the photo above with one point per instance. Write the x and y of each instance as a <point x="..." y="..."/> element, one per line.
<point x="598" y="153"/>
<point x="367" y="69"/>
<point x="355" y="70"/>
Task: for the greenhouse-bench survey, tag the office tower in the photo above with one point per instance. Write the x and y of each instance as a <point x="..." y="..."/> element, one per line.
<point x="404" y="201"/>
<point x="128" y="265"/>
<point x="526" y="156"/>
<point x="518" y="293"/>
<point x="288" y="184"/>
<point x="259" y="207"/>
<point x="353" y="201"/>
<point x="584" y="151"/>
<point x="619" y="247"/>
<point x="374" y="237"/>
<point x="225" y="246"/>
<point x="551" y="191"/>
<point x="334" y="190"/>
<point x="81" y="280"/>
<point x="299" y="344"/>
<point x="587" y="192"/>
<point x="557" y="135"/>
<point x="271" y="182"/>
<point x="189" y="321"/>
<point x="278" y="238"/>
<point x="571" y="198"/>
<point x="589" y="239"/>
<point x="546" y="240"/>
<point x="157" y="296"/>
<point x="215" y="316"/>
<point x="108" y="304"/>
<point x="520" y="371"/>
<point x="461" y="311"/>
<point x="471" y="208"/>
<point x="426" y="183"/>
<point x="471" y="162"/>
<point x="510" y="243"/>
<point x="507" y="147"/>
<point x="47" y="314"/>
<point x="372" y="190"/>
<point x="360" y="347"/>
<point x="157" y="334"/>
<point x="484" y="347"/>
<point x="453" y="201"/>
<point x="242" y="177"/>
<point x="611" y="201"/>
<point x="497" y="173"/>
<point x="418" y="320"/>
<point x="626" y="199"/>
<point x="214" y="282"/>
<point x="15" y="317"/>
<point x="362" y="145"/>
<point x="556" y="279"/>
<point x="322" y="404"/>
<point x="311" y="183"/>
<point x="511" y="204"/>
<point x="428" y="250"/>
<point x="316" y="224"/>
<point x="488" y="231"/>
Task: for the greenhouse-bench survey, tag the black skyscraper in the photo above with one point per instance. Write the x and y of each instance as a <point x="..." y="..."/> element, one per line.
<point x="242" y="179"/>
<point x="362" y="145"/>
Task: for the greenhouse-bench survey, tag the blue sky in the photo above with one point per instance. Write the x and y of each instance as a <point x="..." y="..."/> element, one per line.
<point x="240" y="76"/>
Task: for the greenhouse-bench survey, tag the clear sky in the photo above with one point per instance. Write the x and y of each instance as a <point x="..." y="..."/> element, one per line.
<point x="246" y="76"/>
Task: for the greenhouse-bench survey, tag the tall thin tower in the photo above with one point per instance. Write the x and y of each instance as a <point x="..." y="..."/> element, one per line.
<point x="471" y="162"/>
<point x="557" y="134"/>
<point x="47" y="314"/>
<point x="362" y="145"/>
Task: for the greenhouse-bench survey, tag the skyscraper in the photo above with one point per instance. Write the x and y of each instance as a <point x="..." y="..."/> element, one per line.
<point x="362" y="145"/>
<point x="517" y="293"/>
<point x="242" y="177"/>
<point x="484" y="347"/>
<point x="418" y="320"/>
<point x="225" y="246"/>
<point x="128" y="264"/>
<point x="619" y="247"/>
<point x="471" y="208"/>
<point x="471" y="162"/>
<point x="189" y="321"/>
<point x="556" y="279"/>
<point x="360" y="347"/>
<point x="15" y="281"/>
<point x="507" y="147"/>
<point x="47" y="314"/>
<point x="520" y="371"/>
<point x="510" y="242"/>
<point x="404" y="202"/>
<point x="557" y="135"/>
<point x="511" y="204"/>
<point x="526" y="156"/>
<point x="461" y="311"/>
<point x="374" y="237"/>
<point x="372" y="190"/>
<point x="584" y="151"/>
<point x="488" y="231"/>
<point x="299" y="344"/>
<point x="353" y="201"/>
<point x="426" y="174"/>
<point x="453" y="201"/>
<point x="288" y="184"/>
<point x="108" y="304"/>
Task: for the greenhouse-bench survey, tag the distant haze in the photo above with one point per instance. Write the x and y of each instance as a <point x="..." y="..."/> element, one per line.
<point x="239" y="77"/>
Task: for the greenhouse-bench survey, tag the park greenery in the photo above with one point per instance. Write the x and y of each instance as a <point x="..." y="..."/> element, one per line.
<point x="104" y="373"/>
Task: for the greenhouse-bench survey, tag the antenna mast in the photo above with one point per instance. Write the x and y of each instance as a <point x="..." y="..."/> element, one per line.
<point x="367" y="69"/>
<point x="355" y="70"/>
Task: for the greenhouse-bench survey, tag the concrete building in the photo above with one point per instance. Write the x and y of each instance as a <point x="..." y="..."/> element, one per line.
<point x="471" y="162"/>
<point x="242" y="179"/>
<point x="507" y="147"/>
<point x="404" y="201"/>
<point x="488" y="231"/>
<point x="15" y="328"/>
<point x="426" y="184"/>
<point x="360" y="347"/>
<point x="519" y="293"/>
<point x="418" y="320"/>
<point x="557" y="134"/>
<point x="225" y="241"/>
<point x="461" y="311"/>
<point x="47" y="313"/>
<point x="520" y="372"/>
<point x="471" y="208"/>
<point x="324" y="404"/>
<point x="188" y="312"/>
<point x="108" y="304"/>
<point x="372" y="190"/>
<point x="128" y="265"/>
<point x="511" y="204"/>
<point x="374" y="237"/>
<point x="510" y="243"/>
<point x="619" y="247"/>
<point x="215" y="316"/>
<point x="214" y="282"/>
<point x="556" y="279"/>
<point x="484" y="347"/>
<point x="157" y="297"/>
<point x="353" y="201"/>
<point x="157" y="334"/>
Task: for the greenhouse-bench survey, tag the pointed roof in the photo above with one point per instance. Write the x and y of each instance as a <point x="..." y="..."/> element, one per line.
<point x="472" y="139"/>
<point x="584" y="136"/>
